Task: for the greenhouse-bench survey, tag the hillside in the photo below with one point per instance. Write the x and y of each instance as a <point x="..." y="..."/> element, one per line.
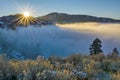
<point x="13" y="21"/>
<point x="68" y="18"/>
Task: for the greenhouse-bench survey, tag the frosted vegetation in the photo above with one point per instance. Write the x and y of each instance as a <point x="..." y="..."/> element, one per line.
<point x="74" y="67"/>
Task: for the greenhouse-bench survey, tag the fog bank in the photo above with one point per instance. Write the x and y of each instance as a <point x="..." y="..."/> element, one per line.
<point x="60" y="40"/>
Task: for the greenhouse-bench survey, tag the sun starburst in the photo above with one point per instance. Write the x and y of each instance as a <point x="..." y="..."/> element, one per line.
<point x="26" y="14"/>
<point x="23" y="19"/>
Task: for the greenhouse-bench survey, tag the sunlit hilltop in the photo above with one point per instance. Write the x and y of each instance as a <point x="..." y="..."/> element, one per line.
<point x="21" y="20"/>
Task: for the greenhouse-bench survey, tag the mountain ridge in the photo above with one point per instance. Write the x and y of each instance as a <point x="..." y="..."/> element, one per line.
<point x="72" y="18"/>
<point x="11" y="21"/>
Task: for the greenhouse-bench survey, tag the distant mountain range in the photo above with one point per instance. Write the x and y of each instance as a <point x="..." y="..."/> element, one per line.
<point x="12" y="21"/>
<point x="68" y="18"/>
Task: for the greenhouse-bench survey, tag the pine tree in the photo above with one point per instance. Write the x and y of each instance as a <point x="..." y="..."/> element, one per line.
<point x="115" y="51"/>
<point x="95" y="47"/>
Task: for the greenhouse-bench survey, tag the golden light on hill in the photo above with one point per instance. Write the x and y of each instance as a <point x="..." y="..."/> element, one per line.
<point x="24" y="19"/>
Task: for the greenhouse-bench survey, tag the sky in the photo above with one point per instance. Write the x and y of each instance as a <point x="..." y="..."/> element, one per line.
<point x="100" y="8"/>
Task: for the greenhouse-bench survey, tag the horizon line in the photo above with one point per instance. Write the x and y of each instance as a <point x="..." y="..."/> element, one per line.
<point x="64" y="13"/>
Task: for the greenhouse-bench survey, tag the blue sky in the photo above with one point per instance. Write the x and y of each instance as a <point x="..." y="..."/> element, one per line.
<point x="102" y="8"/>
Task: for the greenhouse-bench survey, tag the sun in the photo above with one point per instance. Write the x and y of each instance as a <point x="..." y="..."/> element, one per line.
<point x="26" y="14"/>
<point x="24" y="19"/>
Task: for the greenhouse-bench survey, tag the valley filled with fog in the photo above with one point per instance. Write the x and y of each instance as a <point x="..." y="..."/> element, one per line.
<point x="59" y="40"/>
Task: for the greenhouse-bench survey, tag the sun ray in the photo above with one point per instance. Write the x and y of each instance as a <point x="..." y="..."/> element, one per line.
<point x="24" y="19"/>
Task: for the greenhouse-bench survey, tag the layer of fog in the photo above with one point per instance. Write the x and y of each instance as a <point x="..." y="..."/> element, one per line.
<point x="60" y="41"/>
<point x="108" y="33"/>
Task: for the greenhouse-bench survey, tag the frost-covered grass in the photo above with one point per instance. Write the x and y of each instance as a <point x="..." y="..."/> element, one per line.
<point x="74" y="67"/>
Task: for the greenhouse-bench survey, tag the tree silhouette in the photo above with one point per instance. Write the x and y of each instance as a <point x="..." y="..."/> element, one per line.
<point x="95" y="47"/>
<point x="115" y="51"/>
